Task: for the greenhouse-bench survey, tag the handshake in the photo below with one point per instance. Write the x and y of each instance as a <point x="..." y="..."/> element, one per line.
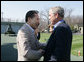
<point x="42" y="51"/>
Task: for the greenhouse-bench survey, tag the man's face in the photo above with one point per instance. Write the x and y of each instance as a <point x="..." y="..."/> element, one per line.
<point x="52" y="17"/>
<point x="35" y="21"/>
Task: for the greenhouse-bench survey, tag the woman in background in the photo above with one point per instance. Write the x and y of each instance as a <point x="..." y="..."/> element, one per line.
<point x="37" y="33"/>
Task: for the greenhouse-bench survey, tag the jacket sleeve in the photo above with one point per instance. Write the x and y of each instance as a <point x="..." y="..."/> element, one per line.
<point x="25" y="48"/>
<point x="41" y="45"/>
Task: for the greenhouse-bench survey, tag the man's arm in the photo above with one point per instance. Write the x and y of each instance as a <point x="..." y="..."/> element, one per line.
<point x="41" y="45"/>
<point x="26" y="49"/>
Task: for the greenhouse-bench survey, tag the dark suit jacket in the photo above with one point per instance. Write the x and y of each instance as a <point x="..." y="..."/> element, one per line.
<point x="59" y="43"/>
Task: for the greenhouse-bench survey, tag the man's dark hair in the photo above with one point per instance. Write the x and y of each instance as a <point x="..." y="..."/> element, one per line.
<point x="30" y="14"/>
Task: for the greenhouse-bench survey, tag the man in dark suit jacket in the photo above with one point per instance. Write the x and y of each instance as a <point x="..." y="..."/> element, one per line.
<point x="59" y="43"/>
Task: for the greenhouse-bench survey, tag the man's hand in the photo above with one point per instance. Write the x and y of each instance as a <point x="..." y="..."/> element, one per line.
<point x="42" y="51"/>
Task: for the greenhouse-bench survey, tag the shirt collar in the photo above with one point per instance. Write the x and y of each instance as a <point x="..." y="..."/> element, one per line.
<point x="58" y="23"/>
<point x="30" y="27"/>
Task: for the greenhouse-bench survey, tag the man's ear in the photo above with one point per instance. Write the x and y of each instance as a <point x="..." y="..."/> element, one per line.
<point x="29" y="19"/>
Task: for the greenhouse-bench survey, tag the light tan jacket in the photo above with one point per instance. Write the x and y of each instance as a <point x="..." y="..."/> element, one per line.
<point x="27" y="44"/>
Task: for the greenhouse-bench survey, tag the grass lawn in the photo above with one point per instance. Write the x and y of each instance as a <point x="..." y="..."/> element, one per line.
<point x="9" y="48"/>
<point x="77" y="43"/>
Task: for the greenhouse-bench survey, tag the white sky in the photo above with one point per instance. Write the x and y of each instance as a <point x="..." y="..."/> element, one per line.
<point x="18" y="9"/>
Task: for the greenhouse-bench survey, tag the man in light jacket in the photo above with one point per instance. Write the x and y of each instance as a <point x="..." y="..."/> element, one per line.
<point x="29" y="48"/>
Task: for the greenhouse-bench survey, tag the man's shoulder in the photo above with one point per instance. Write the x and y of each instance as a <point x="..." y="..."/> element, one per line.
<point x="63" y="25"/>
<point x="23" y="29"/>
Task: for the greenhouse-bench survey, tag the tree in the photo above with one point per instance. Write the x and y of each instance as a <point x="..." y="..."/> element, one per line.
<point x="68" y="16"/>
<point x="44" y="15"/>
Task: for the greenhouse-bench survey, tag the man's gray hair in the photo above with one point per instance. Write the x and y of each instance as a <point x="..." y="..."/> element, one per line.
<point x="58" y="10"/>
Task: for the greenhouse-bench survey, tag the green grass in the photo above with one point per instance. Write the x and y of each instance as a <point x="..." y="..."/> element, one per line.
<point x="77" y="43"/>
<point x="9" y="48"/>
<point x="44" y="37"/>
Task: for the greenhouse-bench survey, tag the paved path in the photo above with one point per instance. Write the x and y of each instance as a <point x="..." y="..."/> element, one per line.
<point x="76" y="58"/>
<point x="73" y="58"/>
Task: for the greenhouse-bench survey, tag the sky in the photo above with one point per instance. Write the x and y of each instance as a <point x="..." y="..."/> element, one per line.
<point x="17" y="9"/>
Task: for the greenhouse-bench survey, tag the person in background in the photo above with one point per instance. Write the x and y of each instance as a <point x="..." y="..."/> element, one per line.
<point x="51" y="28"/>
<point x="37" y="33"/>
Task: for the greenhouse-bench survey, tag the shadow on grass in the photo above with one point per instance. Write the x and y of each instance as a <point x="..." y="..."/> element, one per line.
<point x="8" y="52"/>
